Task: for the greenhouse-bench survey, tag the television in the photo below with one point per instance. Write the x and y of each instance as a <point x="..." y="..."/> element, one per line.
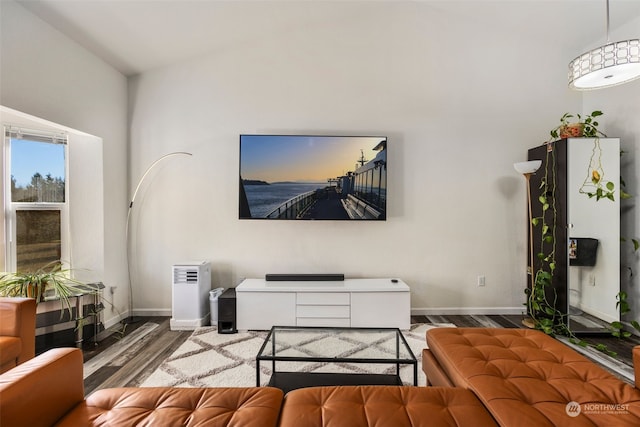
<point x="313" y="177"/>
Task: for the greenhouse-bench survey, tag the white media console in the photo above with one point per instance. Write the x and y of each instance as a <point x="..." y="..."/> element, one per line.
<point x="378" y="303"/>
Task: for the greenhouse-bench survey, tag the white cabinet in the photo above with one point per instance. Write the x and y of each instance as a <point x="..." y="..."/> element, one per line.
<point x="350" y="303"/>
<point x="379" y="309"/>
<point x="261" y="310"/>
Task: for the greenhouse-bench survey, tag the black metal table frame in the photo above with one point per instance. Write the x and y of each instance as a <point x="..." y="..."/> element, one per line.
<point x="85" y="289"/>
<point x="271" y="336"/>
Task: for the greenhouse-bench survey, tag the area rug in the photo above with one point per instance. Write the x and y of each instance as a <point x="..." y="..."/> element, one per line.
<point x="209" y="359"/>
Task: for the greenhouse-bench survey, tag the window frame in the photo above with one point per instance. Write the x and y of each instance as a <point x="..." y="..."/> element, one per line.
<point x="11" y="208"/>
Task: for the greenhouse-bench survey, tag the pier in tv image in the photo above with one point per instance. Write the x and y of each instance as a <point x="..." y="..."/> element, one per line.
<point x="309" y="177"/>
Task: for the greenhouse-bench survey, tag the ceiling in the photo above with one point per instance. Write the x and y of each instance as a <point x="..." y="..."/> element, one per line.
<point x="135" y="36"/>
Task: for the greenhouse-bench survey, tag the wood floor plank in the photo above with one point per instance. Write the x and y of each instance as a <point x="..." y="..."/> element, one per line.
<point x="151" y="356"/>
<point x="110" y="353"/>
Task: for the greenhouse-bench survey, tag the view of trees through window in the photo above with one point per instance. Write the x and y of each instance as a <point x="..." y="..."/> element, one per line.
<point x="37" y="201"/>
<point x="37" y="172"/>
<point x="40" y="189"/>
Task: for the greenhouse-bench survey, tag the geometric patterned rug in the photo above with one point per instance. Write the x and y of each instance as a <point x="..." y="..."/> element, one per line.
<point x="209" y="359"/>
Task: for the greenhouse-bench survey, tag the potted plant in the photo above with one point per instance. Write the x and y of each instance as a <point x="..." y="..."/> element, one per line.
<point x="580" y="128"/>
<point x="51" y="279"/>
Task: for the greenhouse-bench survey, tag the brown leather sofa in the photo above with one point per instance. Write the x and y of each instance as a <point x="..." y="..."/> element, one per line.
<point x="526" y="378"/>
<point x="383" y="406"/>
<point x="48" y="391"/>
<point x="17" y="331"/>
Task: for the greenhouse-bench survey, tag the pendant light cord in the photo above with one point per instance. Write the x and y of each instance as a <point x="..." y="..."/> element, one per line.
<point x="607" y="21"/>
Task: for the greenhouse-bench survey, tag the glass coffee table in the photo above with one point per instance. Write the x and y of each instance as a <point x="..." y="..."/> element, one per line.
<point x="316" y="356"/>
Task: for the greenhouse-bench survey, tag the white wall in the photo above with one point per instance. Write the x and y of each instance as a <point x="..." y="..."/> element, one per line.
<point x="460" y="97"/>
<point x="621" y="108"/>
<point x="46" y="75"/>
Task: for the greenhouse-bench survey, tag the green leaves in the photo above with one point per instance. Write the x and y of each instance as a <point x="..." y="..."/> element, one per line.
<point x="622" y="304"/>
<point x="544" y="203"/>
<point x="589" y="125"/>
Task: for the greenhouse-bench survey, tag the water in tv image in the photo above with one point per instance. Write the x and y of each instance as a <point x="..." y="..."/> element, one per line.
<point x="313" y="177"/>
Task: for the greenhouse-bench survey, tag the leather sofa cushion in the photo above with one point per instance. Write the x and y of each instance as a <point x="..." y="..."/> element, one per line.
<point x="166" y="406"/>
<point x="10" y="348"/>
<point x="40" y="391"/>
<point x="382" y="406"/>
<point x="18" y="331"/>
<point x="527" y="378"/>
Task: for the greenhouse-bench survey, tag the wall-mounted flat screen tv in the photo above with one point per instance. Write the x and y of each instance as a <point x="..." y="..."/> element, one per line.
<point x="311" y="177"/>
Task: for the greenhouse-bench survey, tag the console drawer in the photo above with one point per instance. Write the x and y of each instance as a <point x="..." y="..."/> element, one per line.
<point x="323" y="298"/>
<point x="327" y="322"/>
<point x="338" y="311"/>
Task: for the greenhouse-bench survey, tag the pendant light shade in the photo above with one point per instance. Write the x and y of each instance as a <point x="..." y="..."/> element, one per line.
<point x="608" y="65"/>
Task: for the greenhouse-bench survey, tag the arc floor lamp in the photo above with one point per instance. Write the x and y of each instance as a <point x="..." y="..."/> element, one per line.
<point x="132" y="318"/>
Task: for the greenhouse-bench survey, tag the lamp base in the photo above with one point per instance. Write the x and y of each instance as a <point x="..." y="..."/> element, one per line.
<point x="529" y="323"/>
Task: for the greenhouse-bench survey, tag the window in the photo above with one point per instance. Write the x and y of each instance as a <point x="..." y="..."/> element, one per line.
<point x="36" y="207"/>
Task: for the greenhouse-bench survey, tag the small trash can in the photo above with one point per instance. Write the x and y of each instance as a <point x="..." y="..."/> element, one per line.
<point x="213" y="300"/>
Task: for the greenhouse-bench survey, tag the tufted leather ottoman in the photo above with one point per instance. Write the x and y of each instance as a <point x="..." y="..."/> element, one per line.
<point x="526" y="378"/>
<point x="382" y="406"/>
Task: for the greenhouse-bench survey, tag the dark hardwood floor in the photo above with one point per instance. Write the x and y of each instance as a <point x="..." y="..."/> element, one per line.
<point x="125" y="358"/>
<point x="126" y="355"/>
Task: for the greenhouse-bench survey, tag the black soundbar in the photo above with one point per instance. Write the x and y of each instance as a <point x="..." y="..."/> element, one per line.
<point x="303" y="277"/>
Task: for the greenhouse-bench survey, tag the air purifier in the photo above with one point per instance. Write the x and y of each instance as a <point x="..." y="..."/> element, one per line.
<point x="191" y="283"/>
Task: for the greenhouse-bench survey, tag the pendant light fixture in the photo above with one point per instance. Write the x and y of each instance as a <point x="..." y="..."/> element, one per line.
<point x="608" y="65"/>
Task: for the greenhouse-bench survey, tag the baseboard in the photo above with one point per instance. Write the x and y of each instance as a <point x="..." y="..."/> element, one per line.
<point x="416" y="311"/>
<point x="435" y="311"/>
<point x="150" y="312"/>
<point x="136" y="313"/>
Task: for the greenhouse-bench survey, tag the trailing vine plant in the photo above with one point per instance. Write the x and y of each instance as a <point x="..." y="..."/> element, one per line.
<point x="542" y="311"/>
<point x="617" y="328"/>
<point x="542" y="298"/>
<point x="594" y="184"/>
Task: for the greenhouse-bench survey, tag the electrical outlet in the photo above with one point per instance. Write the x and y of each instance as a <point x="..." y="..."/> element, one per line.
<point x="481" y="280"/>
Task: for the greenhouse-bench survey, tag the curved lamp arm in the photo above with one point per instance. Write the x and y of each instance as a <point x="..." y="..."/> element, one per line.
<point x="144" y="175"/>
<point x="133" y="198"/>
